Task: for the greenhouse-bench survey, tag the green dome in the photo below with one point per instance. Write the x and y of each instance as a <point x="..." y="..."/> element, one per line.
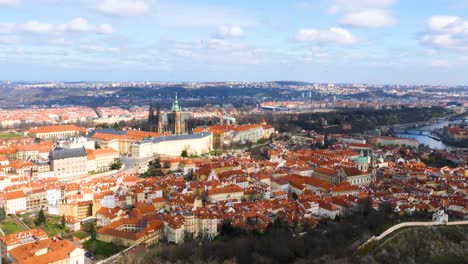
<point x="361" y="158"/>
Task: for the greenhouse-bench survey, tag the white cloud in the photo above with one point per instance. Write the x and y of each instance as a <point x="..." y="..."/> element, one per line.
<point x="9" y="39"/>
<point x="363" y="13"/>
<point x="76" y="25"/>
<point x="123" y="8"/>
<point x="187" y="15"/>
<point x="184" y="52"/>
<point x="82" y="25"/>
<point x="95" y="48"/>
<point x="440" y="63"/>
<point x="10" y="2"/>
<point x="372" y="18"/>
<point x="444" y="23"/>
<point x="446" y="32"/>
<point x="6" y="28"/>
<point x="316" y="54"/>
<point x="229" y="32"/>
<point x="343" y="6"/>
<point x="37" y="27"/>
<point x="334" y="35"/>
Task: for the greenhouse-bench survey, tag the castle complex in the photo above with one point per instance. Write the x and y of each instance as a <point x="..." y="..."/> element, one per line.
<point x="173" y="124"/>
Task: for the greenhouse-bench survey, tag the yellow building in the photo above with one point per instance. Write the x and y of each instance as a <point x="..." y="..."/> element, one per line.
<point x="47" y="132"/>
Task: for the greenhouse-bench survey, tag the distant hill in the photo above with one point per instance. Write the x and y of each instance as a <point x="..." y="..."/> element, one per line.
<point x="292" y="83"/>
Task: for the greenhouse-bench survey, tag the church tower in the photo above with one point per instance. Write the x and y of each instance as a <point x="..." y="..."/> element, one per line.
<point x="362" y="163"/>
<point x="151" y="123"/>
<point x="159" y="124"/>
<point x="177" y="115"/>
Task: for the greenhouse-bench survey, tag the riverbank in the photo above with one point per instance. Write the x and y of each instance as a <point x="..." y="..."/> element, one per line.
<point x="422" y="134"/>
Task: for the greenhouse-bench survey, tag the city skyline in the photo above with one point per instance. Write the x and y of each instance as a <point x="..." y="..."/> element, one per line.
<point x="378" y="41"/>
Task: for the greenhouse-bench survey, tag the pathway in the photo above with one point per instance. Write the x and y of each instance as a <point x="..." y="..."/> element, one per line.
<point x="20" y="222"/>
<point x="409" y="224"/>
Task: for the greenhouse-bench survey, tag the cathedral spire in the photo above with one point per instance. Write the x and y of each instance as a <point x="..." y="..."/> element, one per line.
<point x="151" y="118"/>
<point x="175" y="104"/>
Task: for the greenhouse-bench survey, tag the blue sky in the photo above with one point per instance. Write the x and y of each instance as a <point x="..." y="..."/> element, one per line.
<point x="361" y="41"/>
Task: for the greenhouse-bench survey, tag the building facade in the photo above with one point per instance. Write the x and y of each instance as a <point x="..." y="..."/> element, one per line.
<point x="68" y="163"/>
<point x="197" y="144"/>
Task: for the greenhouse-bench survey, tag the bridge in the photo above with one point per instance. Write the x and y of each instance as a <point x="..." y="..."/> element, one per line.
<point x="463" y="120"/>
<point x="417" y="132"/>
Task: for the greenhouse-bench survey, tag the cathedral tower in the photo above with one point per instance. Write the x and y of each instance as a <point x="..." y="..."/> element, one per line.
<point x="178" y="127"/>
<point x="159" y="123"/>
<point x="151" y="123"/>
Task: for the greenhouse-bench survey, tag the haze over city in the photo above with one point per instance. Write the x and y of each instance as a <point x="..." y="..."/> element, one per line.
<point x="362" y="41"/>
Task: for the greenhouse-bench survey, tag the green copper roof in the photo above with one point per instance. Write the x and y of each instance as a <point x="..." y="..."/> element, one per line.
<point x="175" y="105"/>
<point x="361" y="158"/>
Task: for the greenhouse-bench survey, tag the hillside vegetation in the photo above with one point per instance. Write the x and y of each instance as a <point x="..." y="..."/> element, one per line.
<point x="442" y="244"/>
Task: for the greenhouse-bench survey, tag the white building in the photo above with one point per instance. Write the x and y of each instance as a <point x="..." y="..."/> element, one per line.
<point x="174" y="230"/>
<point x="69" y="162"/>
<point x="108" y="201"/>
<point x="199" y="143"/>
<point x="15" y="202"/>
<point x="101" y="159"/>
<point x="53" y="196"/>
<point x="78" y="142"/>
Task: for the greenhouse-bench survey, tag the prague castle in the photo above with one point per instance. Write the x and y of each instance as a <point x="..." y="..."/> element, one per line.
<point x="174" y="123"/>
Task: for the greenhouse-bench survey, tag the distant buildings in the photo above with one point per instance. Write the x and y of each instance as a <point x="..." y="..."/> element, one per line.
<point x="228" y="134"/>
<point x="456" y="133"/>
<point x="394" y="141"/>
<point x="57" y="131"/>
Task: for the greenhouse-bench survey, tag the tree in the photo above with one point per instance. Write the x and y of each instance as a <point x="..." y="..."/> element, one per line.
<point x="117" y="164"/>
<point x="116" y="126"/>
<point x="92" y="231"/>
<point x="41" y="218"/>
<point x="184" y="153"/>
<point x="294" y="196"/>
<point x="157" y="163"/>
<point x="63" y="223"/>
<point x="2" y="213"/>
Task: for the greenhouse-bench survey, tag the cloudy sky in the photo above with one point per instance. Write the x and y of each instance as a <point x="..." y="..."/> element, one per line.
<point x="363" y="41"/>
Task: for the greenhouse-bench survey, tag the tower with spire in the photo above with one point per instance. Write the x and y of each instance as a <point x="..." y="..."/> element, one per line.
<point x="159" y="123"/>
<point x="177" y="125"/>
<point x="151" y="123"/>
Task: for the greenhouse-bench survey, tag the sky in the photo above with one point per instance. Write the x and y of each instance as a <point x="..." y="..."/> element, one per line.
<point x="347" y="41"/>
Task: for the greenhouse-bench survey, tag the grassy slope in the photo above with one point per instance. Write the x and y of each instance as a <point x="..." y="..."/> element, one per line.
<point x="445" y="244"/>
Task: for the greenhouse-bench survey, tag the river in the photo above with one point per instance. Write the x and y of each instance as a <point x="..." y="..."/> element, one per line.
<point x="432" y="143"/>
